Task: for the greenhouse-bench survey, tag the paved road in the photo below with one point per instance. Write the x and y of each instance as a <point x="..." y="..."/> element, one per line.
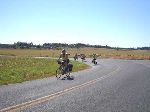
<point x="110" y="86"/>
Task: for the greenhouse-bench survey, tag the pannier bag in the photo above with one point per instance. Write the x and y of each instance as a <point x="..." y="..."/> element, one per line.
<point x="70" y="67"/>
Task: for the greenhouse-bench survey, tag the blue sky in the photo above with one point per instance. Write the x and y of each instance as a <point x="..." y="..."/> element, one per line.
<point x="117" y="23"/>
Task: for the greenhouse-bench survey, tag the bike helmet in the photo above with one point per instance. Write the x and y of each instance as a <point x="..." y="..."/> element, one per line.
<point x="63" y="51"/>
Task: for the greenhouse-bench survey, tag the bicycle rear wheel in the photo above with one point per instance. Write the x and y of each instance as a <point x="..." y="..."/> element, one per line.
<point x="58" y="73"/>
<point x="68" y="74"/>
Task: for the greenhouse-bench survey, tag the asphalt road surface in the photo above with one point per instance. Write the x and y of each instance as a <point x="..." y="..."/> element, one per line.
<point x="110" y="86"/>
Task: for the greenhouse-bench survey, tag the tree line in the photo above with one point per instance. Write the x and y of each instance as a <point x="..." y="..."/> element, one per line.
<point x="25" y="45"/>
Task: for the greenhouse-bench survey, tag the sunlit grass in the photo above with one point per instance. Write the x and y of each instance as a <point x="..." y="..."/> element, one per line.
<point x="17" y="69"/>
<point x="105" y="53"/>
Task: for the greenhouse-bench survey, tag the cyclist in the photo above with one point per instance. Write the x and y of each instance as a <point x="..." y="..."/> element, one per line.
<point x="64" y="57"/>
<point x="94" y="58"/>
<point x="76" y="57"/>
<point x="82" y="57"/>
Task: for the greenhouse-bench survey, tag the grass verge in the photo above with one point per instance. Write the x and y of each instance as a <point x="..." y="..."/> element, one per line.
<point x="19" y="69"/>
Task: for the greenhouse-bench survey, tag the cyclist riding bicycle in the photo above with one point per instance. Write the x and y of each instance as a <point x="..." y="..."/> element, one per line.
<point x="76" y="57"/>
<point x="94" y="58"/>
<point x="65" y="60"/>
<point x="82" y="57"/>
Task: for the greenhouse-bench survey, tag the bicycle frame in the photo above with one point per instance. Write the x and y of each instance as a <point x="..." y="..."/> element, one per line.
<point x="62" y="70"/>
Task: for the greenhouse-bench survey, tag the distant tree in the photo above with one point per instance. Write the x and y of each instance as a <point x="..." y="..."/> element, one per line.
<point x="39" y="46"/>
<point x="14" y="46"/>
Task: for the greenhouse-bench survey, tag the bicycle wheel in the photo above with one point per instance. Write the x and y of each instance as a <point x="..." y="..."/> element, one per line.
<point x="58" y="73"/>
<point x="67" y="72"/>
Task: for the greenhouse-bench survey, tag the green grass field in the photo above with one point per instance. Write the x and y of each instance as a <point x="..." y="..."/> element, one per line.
<point x="19" y="69"/>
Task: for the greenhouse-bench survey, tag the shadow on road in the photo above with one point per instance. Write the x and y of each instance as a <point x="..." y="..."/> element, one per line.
<point x="96" y="64"/>
<point x="68" y="78"/>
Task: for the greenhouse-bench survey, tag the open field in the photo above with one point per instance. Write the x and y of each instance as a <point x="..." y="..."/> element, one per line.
<point x="16" y="65"/>
<point x="105" y="53"/>
<point x="19" y="69"/>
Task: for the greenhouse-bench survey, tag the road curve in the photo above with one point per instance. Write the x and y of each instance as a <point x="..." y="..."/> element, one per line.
<point x="110" y="86"/>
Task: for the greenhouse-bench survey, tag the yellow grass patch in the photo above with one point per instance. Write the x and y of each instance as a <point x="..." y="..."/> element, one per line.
<point x="105" y="53"/>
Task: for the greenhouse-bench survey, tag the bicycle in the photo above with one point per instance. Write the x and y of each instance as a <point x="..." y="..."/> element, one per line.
<point x="75" y="58"/>
<point x="62" y="70"/>
<point x="82" y="57"/>
<point x="94" y="61"/>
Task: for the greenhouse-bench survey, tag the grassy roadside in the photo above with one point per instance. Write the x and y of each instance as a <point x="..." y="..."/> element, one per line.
<point x="19" y="69"/>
